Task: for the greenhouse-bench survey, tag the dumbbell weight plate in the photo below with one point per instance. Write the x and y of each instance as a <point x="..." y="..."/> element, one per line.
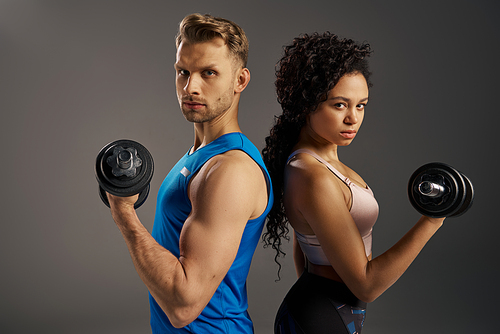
<point x="124" y="185"/>
<point x="469" y="197"/>
<point x="445" y="205"/>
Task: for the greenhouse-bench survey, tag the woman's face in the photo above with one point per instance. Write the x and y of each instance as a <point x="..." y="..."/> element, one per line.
<point x="337" y="120"/>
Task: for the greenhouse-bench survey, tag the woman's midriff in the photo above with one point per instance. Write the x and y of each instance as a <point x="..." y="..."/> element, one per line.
<point x="325" y="271"/>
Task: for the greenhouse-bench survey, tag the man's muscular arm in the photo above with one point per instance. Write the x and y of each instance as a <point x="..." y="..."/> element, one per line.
<point x="229" y="190"/>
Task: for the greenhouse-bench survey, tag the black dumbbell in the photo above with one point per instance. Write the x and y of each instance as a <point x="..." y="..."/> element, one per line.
<point x="439" y="190"/>
<point x="124" y="168"/>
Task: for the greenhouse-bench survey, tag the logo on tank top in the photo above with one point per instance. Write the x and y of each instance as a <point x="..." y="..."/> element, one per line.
<point x="185" y="172"/>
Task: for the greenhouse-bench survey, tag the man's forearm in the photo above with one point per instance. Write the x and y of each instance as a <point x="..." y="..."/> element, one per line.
<point x="160" y="270"/>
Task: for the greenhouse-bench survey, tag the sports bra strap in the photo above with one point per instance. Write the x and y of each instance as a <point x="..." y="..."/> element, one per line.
<point x="323" y="161"/>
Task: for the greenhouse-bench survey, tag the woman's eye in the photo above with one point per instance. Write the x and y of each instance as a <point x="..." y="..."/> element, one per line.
<point x="361" y="106"/>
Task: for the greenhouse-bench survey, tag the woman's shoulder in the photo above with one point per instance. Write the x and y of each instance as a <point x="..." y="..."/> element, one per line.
<point x="306" y="174"/>
<point x="305" y="165"/>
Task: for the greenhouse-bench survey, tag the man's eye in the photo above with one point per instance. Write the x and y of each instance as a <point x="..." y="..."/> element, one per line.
<point x="183" y="72"/>
<point x="209" y="73"/>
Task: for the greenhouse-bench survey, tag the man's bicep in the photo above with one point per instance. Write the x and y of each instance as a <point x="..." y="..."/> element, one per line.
<point x="212" y="233"/>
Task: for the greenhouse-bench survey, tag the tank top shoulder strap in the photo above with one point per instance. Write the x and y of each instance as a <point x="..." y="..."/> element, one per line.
<point x="323" y="161"/>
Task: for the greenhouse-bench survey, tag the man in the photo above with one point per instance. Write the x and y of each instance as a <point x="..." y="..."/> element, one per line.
<point x="212" y="205"/>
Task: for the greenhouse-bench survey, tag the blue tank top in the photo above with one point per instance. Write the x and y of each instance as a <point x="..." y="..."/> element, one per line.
<point x="227" y="310"/>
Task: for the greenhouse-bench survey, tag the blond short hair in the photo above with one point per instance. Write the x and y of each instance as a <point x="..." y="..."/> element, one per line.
<point x="197" y="28"/>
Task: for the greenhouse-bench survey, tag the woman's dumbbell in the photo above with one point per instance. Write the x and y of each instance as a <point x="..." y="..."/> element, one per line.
<point x="439" y="190"/>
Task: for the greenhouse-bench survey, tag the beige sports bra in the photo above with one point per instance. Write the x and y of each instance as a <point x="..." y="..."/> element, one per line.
<point x="364" y="211"/>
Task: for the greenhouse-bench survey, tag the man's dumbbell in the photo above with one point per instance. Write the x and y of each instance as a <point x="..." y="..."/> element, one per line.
<point x="439" y="190"/>
<point x="124" y="168"/>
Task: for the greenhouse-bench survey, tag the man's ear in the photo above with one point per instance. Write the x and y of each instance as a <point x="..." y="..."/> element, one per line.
<point x="242" y="80"/>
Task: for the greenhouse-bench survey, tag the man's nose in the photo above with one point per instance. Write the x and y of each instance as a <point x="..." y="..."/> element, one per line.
<point x="192" y="86"/>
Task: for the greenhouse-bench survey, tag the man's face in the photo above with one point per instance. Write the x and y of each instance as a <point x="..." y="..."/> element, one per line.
<point x="205" y="80"/>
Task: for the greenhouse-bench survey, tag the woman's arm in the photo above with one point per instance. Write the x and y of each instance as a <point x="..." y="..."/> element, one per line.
<point x="318" y="199"/>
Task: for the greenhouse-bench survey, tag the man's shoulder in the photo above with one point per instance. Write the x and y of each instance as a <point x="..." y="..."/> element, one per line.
<point x="231" y="179"/>
<point x="234" y="159"/>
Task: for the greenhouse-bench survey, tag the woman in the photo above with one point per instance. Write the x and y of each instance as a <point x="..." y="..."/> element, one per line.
<point x="322" y="85"/>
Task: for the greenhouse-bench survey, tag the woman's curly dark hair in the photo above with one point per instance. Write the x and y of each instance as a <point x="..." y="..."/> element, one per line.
<point x="310" y="67"/>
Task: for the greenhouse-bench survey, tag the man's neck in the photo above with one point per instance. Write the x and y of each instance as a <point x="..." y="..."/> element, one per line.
<point x="205" y="133"/>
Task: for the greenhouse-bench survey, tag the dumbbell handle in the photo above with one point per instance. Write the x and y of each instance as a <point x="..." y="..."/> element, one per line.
<point x="124" y="159"/>
<point x="431" y="189"/>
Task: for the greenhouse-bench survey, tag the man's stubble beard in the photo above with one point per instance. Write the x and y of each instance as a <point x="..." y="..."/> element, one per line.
<point x="209" y="112"/>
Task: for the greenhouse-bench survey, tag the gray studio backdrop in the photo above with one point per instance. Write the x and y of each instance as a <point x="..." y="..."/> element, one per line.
<point x="76" y="75"/>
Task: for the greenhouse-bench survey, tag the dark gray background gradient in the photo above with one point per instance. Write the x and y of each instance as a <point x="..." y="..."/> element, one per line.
<point x="75" y="75"/>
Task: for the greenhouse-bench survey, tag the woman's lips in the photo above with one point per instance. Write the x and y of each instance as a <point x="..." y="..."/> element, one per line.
<point x="350" y="134"/>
